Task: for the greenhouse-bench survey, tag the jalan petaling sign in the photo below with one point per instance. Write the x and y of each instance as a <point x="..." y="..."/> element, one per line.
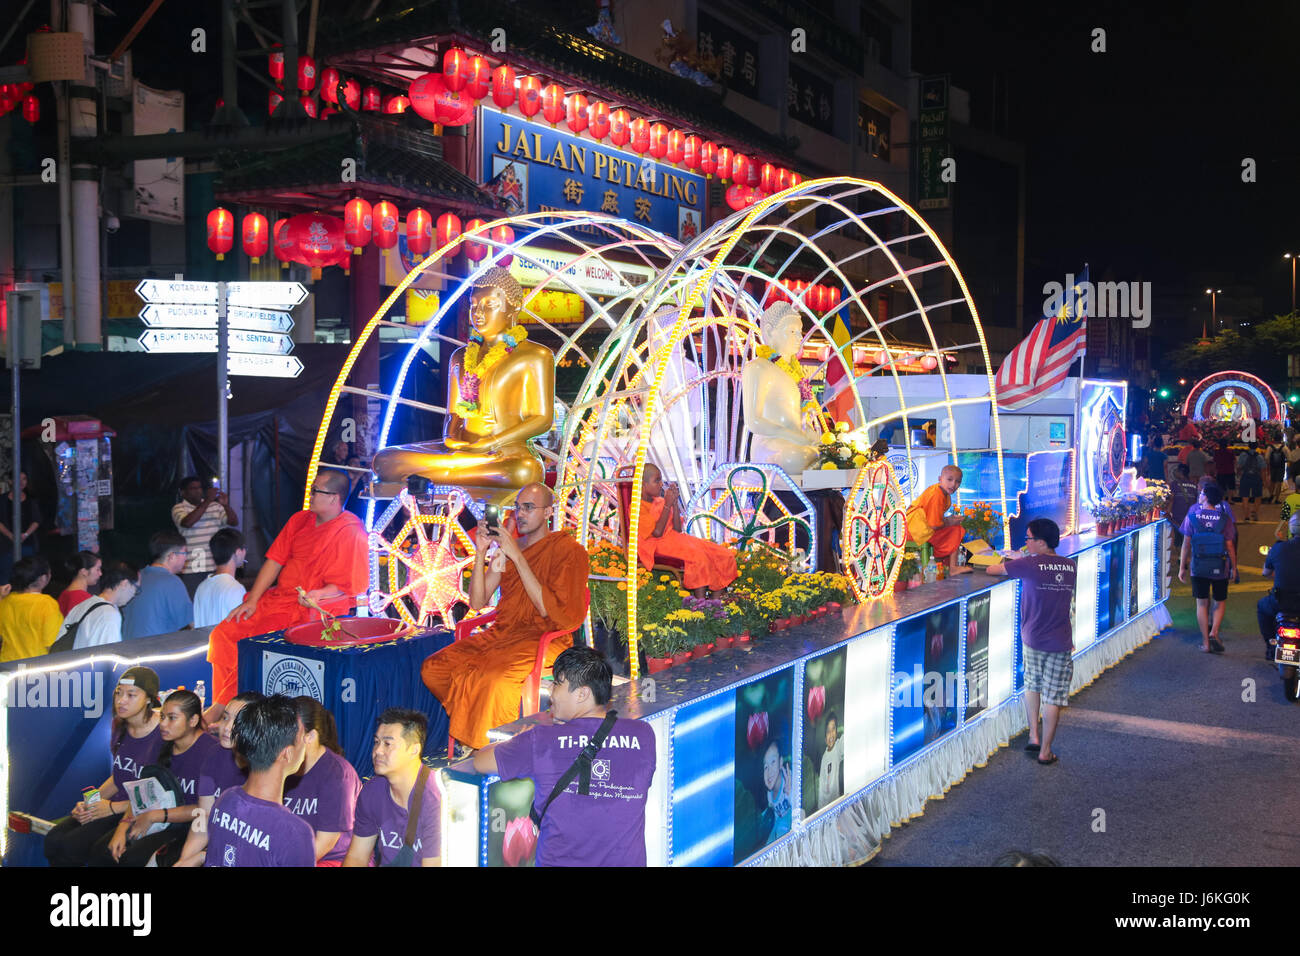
<point x="535" y="168"/>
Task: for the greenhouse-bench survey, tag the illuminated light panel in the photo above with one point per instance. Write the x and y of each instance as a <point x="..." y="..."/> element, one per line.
<point x="433" y="571"/>
<point x="874" y="532"/>
<point x="750" y="526"/>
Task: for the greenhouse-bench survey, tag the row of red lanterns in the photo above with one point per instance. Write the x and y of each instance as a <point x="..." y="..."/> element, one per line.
<point x="818" y="297"/>
<point x="15" y="95"/>
<point x="883" y="357"/>
<point x="316" y="241"/>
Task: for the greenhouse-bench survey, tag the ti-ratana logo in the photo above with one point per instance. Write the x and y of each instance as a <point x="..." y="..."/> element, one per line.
<point x="228" y="856"/>
<point x="1059" y="577"/>
<point x="600" y="770"/>
<point x="292" y="677"/>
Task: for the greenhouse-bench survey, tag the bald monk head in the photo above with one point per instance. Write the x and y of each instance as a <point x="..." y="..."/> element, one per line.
<point x="950" y="479"/>
<point x="533" y="510"/>
<point x="652" y="482"/>
<point x="329" y="493"/>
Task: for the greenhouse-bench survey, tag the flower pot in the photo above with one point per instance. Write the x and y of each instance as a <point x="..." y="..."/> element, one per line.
<point x="743" y="638"/>
<point x="702" y="650"/>
<point x="900" y="585"/>
<point x="796" y="620"/>
<point x="656" y="664"/>
<point x="916" y="581"/>
<point x="780" y="624"/>
<point x="682" y="657"/>
<point x="834" y="606"/>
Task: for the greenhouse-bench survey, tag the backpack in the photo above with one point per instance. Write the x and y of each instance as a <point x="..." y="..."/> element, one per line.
<point x="1275" y="457"/>
<point x="1251" y="465"/>
<point x="1209" y="552"/>
<point x="69" y="638"/>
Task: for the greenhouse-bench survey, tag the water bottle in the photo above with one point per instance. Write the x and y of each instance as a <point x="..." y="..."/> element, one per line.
<point x="931" y="571"/>
<point x="363" y="605"/>
<point x="201" y="692"/>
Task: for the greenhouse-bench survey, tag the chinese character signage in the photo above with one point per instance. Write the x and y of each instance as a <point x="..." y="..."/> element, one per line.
<point x="810" y="99"/>
<point x="933" y="147"/>
<point x="873" y="132"/>
<point x="535" y="168"/>
<point x="737" y="55"/>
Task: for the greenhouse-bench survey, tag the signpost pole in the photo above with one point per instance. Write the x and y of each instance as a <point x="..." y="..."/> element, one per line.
<point x="223" y="437"/>
<point x="15" y="367"/>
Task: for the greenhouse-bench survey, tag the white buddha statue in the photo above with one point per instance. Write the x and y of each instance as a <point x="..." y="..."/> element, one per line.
<point x="1228" y="407"/>
<point x="773" y="398"/>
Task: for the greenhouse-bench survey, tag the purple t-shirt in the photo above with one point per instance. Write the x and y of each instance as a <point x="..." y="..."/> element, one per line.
<point x="1046" y="594"/>
<point x="378" y="815"/>
<point x="188" y="766"/>
<point x="1218" y="518"/>
<point x="326" y="797"/>
<point x="132" y="755"/>
<point x="220" y="773"/>
<point x="246" y="831"/>
<point x="606" y="827"/>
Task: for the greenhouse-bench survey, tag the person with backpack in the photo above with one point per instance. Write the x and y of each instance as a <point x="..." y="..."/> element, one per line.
<point x="1250" y="487"/>
<point x="29" y="619"/>
<point x="399" y="808"/>
<point x="135" y="742"/>
<point x="1276" y="472"/>
<point x="98" y="621"/>
<point x="186" y="745"/>
<point x="1209" y="548"/>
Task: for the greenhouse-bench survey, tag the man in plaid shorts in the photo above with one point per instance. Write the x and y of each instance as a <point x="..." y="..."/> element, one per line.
<point x="1046" y="629"/>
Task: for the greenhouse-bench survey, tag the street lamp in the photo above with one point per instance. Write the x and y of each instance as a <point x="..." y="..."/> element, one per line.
<point x="1214" y="298"/>
<point x="1288" y="255"/>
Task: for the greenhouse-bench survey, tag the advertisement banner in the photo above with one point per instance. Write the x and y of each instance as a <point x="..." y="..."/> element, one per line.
<point x="1046" y="494"/>
<point x="535" y="168"/>
<point x="933" y="148"/>
<point x="159" y="183"/>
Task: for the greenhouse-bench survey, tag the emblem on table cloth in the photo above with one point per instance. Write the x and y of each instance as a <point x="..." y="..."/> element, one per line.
<point x="907" y="473"/>
<point x="875" y="530"/>
<point x="292" y="676"/>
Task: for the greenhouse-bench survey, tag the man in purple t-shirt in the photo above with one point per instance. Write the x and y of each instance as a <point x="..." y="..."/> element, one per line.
<point x="1214" y="565"/>
<point x="248" y="825"/>
<point x="605" y="825"/>
<point x="384" y="805"/>
<point x="1046" y="630"/>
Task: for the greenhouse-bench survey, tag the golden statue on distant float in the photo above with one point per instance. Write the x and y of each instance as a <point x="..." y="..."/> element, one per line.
<point x="500" y="395"/>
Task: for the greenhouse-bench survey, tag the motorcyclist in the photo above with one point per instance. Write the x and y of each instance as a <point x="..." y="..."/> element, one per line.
<point x="1283" y="565"/>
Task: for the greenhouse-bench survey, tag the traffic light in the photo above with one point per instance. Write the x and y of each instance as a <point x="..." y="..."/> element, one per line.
<point x="1292" y="399"/>
<point x="1164" y="393"/>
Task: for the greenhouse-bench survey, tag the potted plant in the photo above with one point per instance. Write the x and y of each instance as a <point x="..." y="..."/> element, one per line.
<point x="658" y="641"/>
<point x="909" y="569"/>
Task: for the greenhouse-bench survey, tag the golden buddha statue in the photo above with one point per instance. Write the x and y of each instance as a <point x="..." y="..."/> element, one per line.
<point x="775" y="395"/>
<point x="501" y="394"/>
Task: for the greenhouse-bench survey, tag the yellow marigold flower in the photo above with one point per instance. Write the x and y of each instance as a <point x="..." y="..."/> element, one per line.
<point x="622" y="585"/>
<point x="660" y="587"/>
<point x="829" y="466"/>
<point x="828" y="438"/>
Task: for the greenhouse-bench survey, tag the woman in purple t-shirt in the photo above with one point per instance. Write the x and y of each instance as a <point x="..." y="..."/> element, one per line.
<point x="324" y="791"/>
<point x="220" y="772"/>
<point x="135" y="740"/>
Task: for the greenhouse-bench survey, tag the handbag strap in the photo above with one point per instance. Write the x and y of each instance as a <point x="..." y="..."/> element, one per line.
<point x="413" y="819"/>
<point x="580" y="768"/>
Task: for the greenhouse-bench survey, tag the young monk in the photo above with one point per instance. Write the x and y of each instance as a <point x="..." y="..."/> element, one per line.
<point x="926" y="522"/>
<point x="708" y="565"/>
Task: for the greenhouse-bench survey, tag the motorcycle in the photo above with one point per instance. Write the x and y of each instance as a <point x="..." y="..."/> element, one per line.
<point x="1286" y="651"/>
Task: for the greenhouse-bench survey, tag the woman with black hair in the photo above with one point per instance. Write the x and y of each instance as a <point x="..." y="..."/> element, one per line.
<point x="83" y="571"/>
<point x="324" y="791"/>
<point x="186" y="744"/>
<point x="135" y="741"/>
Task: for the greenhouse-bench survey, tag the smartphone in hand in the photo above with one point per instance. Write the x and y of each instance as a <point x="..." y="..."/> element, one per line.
<point x="492" y="515"/>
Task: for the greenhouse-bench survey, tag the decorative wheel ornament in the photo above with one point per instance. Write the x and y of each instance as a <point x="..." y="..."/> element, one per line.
<point x="751" y="506"/>
<point x="875" y="530"/>
<point x="426" y="562"/>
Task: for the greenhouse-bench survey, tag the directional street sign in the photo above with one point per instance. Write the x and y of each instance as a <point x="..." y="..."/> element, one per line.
<point x="179" y="316"/>
<point x="177" y="290"/>
<point x="205" y="340"/>
<point x="268" y="343"/>
<point x="272" y="366"/>
<point x="266" y="295"/>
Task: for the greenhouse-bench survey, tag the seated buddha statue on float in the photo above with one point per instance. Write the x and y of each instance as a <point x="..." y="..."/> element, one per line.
<point x="500" y="396"/>
<point x="777" y="395"/>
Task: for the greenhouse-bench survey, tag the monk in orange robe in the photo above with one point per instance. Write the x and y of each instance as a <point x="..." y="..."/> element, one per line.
<point x="321" y="550"/>
<point x="543" y="579"/>
<point x="927" y="524"/>
<point x="659" y="534"/>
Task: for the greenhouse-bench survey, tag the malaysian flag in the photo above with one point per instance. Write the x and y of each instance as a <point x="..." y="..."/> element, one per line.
<point x="1040" y="363"/>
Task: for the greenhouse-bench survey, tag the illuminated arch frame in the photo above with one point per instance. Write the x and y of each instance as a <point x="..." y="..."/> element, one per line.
<point x="1265" y="398"/>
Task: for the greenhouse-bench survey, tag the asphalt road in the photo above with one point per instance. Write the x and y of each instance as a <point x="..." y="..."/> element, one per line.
<point x="1171" y="758"/>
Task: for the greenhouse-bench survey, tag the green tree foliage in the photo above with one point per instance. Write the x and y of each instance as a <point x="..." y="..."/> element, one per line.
<point x="1261" y="349"/>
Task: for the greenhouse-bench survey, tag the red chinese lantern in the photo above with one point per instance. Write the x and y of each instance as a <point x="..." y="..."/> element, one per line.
<point x="691" y="152"/>
<point x="708" y="158"/>
<point x="255" y="236"/>
<point x="371" y="99"/>
<point x="795" y="179"/>
<point x="881" y="357"/>
<point x="329" y="85"/>
<point x="448" y="228"/>
<point x="275" y="64"/>
<point x="221" y="231"/>
<point x="619" y="128"/>
<point x="753" y="172"/>
<point x="306" y="74"/>
<point x="316" y="240"/>
<point x="327" y="112"/>
<point x="455" y="69"/>
<point x="308" y="104"/>
<point x="503" y="86"/>
<point x="383" y="218"/>
<point x="475" y="250"/>
<point x="479" y="78"/>
<point x="676" y="151"/>
<point x="740" y="169"/>
<point x="578" y="113"/>
<point x="658" y="140"/>
<point x="833" y="296"/>
<point x="31" y="108"/>
<point x="598" y="120"/>
<point x="419" y="232"/>
<point x="736" y="198"/>
<point x="782" y="179"/>
<point x="640" y="133"/>
<point x="357" y="222"/>
<point x="530" y="95"/>
<point x="724" y="162"/>
<point x="929" y="362"/>
<point x="439" y="105"/>
<point x="283" y="247"/>
<point x="396" y="104"/>
<point x="503" y="235"/>
<point x="767" y="177"/>
<point x="818" y="297"/>
<point x="553" y="103"/>
<point x="273" y="101"/>
<point x="352" y="94"/>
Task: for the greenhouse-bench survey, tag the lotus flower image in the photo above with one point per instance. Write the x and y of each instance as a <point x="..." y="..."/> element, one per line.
<point x="972" y="632"/>
<point x="816" y="702"/>
<point x="757" y="731"/>
<point x="519" y="842"/>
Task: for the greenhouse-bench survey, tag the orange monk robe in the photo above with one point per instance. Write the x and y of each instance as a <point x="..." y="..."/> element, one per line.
<point x="480" y="679"/>
<point x="925" y="522"/>
<point x="313" y="556"/>
<point x="708" y="565"/>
